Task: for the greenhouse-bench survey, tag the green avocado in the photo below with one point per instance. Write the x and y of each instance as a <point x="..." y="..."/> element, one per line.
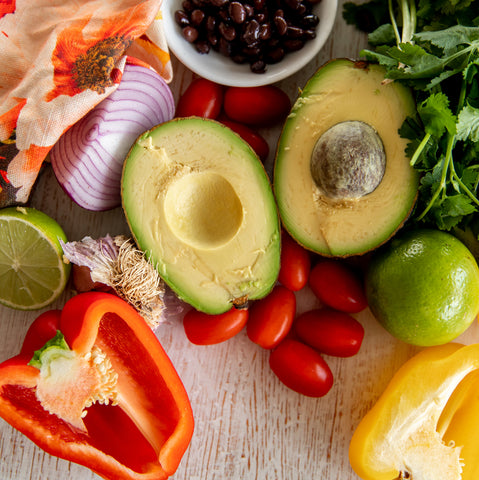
<point x="342" y="180"/>
<point x="200" y="205"/>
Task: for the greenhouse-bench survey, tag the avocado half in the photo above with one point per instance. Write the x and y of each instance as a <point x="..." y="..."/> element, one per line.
<point x="200" y="205"/>
<point x="342" y="180"/>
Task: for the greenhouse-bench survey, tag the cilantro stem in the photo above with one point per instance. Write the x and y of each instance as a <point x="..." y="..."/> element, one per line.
<point x="442" y="184"/>
<point x="420" y="148"/>
<point x="393" y="22"/>
<point x="408" y="12"/>
<point x="464" y="188"/>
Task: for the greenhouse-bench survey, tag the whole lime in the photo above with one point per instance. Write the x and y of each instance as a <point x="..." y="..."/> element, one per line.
<point x="423" y="287"/>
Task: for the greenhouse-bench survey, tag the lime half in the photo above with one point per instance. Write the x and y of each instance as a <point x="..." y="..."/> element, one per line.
<point x="32" y="271"/>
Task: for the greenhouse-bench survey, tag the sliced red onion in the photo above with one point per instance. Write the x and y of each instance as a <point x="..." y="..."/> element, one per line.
<point x="88" y="158"/>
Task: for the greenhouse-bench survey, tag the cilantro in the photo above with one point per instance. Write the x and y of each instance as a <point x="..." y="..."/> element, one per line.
<point x="436" y="53"/>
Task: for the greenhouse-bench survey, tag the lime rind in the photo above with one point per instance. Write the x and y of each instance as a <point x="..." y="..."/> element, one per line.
<point x="32" y="271"/>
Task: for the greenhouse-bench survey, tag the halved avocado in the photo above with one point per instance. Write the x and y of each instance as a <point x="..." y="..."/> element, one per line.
<point x="200" y="205"/>
<point x="342" y="180"/>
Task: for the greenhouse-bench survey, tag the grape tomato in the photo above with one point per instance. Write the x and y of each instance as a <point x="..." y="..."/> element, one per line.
<point x="261" y="106"/>
<point x="295" y="264"/>
<point x="271" y="318"/>
<point x="204" y="329"/>
<point x="337" y="286"/>
<point x="252" y="138"/>
<point x="330" y="331"/>
<point x="301" y="368"/>
<point x="203" y="98"/>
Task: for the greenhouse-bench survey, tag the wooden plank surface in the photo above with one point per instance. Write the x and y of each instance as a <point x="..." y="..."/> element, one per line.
<point x="248" y="425"/>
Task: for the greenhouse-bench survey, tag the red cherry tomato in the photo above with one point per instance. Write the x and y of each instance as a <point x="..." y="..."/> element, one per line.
<point x="295" y="264"/>
<point x="204" y="329"/>
<point x="301" y="368"/>
<point x="203" y="98"/>
<point x="252" y="138"/>
<point x="271" y="318"/>
<point x="330" y="331"/>
<point x="337" y="286"/>
<point x="264" y="105"/>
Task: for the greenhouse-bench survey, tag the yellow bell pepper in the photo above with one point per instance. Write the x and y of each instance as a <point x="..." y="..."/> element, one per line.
<point x="425" y="426"/>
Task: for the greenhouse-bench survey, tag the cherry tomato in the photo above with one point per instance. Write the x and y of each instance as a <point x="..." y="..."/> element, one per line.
<point x="263" y="105"/>
<point x="337" y="286"/>
<point x="203" y="98"/>
<point x="204" y="329"/>
<point x="301" y="368"/>
<point x="330" y="331"/>
<point x="271" y="318"/>
<point x="295" y="264"/>
<point x="252" y="138"/>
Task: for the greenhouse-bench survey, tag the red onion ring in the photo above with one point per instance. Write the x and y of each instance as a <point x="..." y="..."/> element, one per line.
<point x="88" y="158"/>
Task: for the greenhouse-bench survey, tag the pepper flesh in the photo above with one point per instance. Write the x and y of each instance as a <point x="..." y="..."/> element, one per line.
<point x="425" y="425"/>
<point x="145" y="435"/>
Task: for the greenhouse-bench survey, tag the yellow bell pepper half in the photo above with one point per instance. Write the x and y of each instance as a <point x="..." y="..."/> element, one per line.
<point x="425" y="426"/>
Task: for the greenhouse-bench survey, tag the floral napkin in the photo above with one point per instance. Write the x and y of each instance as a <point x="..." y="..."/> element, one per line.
<point x="58" y="59"/>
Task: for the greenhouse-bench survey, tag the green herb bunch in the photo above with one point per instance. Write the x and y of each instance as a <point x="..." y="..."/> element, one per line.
<point x="433" y="47"/>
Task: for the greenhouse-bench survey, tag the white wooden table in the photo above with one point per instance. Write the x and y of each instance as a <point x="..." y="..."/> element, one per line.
<point x="248" y="425"/>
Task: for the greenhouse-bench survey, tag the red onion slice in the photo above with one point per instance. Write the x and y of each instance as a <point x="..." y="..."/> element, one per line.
<point x="88" y="158"/>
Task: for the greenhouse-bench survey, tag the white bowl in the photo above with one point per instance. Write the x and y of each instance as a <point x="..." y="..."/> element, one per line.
<point x="223" y="70"/>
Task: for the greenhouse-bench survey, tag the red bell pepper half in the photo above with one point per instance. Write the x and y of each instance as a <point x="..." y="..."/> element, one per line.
<point x="102" y="392"/>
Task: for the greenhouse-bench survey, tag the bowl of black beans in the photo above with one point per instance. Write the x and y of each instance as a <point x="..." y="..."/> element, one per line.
<point x="247" y="42"/>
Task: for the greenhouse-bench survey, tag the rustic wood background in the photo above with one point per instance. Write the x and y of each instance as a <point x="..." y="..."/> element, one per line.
<point x="248" y="425"/>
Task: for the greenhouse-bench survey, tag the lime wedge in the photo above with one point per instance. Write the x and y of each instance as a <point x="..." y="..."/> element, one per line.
<point x="32" y="271"/>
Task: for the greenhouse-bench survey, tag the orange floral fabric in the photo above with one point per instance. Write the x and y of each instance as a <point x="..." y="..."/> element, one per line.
<point x="58" y="60"/>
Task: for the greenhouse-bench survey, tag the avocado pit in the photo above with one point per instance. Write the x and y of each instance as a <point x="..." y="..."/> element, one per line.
<point x="348" y="160"/>
<point x="203" y="210"/>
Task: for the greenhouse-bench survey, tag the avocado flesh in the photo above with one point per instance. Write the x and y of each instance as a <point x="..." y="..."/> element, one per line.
<point x="200" y="205"/>
<point x="343" y="91"/>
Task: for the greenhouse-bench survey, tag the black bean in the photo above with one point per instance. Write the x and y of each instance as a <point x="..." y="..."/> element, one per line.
<point x="261" y="17"/>
<point x="203" y="46"/>
<point x="187" y="5"/>
<point x="302" y="9"/>
<point x="281" y="25"/>
<point x="293" y="45"/>
<point x="251" y="32"/>
<point x="294" y="32"/>
<point x="228" y="32"/>
<point x="249" y="9"/>
<point x="196" y="17"/>
<point x="237" y="12"/>
<point x="258" y="67"/>
<point x="210" y="23"/>
<point x="251" y="52"/>
<point x="265" y="31"/>
<point x="182" y="18"/>
<point x="190" y="34"/>
<point x="224" y="47"/>
<point x="293" y="4"/>
<point x="275" y="55"/>
<point x="258" y="32"/>
<point x="238" y="58"/>
<point x="212" y="39"/>
<point x="310" y="21"/>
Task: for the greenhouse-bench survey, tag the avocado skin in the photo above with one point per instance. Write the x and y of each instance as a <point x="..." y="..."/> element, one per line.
<point x="344" y="90"/>
<point x="200" y="205"/>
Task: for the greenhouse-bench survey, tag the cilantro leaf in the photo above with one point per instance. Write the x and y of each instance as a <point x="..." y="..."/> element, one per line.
<point x="468" y="124"/>
<point x="450" y="40"/>
<point x="436" y="115"/>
